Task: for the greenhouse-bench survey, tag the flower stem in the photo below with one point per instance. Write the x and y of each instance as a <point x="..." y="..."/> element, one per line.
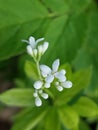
<point x="38" y="69"/>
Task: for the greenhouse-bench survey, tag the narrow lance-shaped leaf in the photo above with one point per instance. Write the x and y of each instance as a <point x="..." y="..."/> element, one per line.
<point x="18" y="97"/>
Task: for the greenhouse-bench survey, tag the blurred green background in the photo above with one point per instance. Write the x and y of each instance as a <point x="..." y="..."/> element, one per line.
<point x="70" y="26"/>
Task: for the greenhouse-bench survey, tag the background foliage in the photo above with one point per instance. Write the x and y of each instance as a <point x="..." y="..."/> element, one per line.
<point x="71" y="29"/>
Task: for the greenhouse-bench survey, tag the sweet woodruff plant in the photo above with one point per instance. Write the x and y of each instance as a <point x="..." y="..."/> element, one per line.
<point x="48" y="77"/>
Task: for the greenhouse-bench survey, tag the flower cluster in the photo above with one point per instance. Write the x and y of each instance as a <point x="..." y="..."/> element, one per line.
<point x="47" y="76"/>
<point x="36" y="51"/>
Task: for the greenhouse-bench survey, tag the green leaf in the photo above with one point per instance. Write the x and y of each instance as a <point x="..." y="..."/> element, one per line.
<point x="68" y="117"/>
<point x="71" y="34"/>
<point x="86" y="107"/>
<point x="20" y="19"/>
<point x="52" y="120"/>
<point x="29" y="118"/>
<point x="18" y="97"/>
<point x="80" y="80"/>
<point x="31" y="70"/>
<point x="87" y="54"/>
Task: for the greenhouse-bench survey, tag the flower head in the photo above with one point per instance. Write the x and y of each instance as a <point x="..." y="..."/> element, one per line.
<point x="50" y="74"/>
<point x="55" y="75"/>
<point x="36" y="51"/>
<point x="47" y="75"/>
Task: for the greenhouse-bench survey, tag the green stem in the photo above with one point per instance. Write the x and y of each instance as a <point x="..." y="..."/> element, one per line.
<point x="38" y="69"/>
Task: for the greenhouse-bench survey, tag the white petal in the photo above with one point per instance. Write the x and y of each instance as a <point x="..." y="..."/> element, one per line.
<point x="45" y="69"/>
<point x="38" y="84"/>
<point x="44" y="95"/>
<point x="55" y="65"/>
<point x="38" y="102"/>
<point x="60" y="77"/>
<point x="67" y="84"/>
<point x="49" y="79"/>
<point x="35" y="52"/>
<point x="39" y="40"/>
<point x="29" y="50"/>
<point x="63" y="71"/>
<point x="40" y="49"/>
<point x="32" y="42"/>
<point x="59" y="88"/>
<point x="47" y="85"/>
<point x="25" y="41"/>
<point x="43" y="74"/>
<point x="45" y="46"/>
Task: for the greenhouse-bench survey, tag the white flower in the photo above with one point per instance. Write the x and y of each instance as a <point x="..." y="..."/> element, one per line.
<point x="44" y="95"/>
<point x="49" y="74"/>
<point x="32" y="41"/>
<point x="42" y="48"/>
<point x="32" y="48"/>
<point x="59" y="88"/>
<point x="38" y="102"/>
<point x="37" y="94"/>
<point x="67" y="84"/>
<point x="61" y="75"/>
<point x="38" y="84"/>
<point x="61" y="85"/>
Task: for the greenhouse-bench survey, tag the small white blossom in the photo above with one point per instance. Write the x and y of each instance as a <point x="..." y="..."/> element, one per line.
<point x="49" y="74"/>
<point x="32" y="41"/>
<point x="60" y="76"/>
<point x="45" y="70"/>
<point x="45" y="47"/>
<point x="55" y="65"/>
<point x="44" y="95"/>
<point x="67" y="84"/>
<point x="38" y="84"/>
<point x="29" y="50"/>
<point x="61" y="85"/>
<point x="38" y="94"/>
<point x="38" y="102"/>
<point x="59" y="88"/>
<point x="33" y="50"/>
<point x="49" y="78"/>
